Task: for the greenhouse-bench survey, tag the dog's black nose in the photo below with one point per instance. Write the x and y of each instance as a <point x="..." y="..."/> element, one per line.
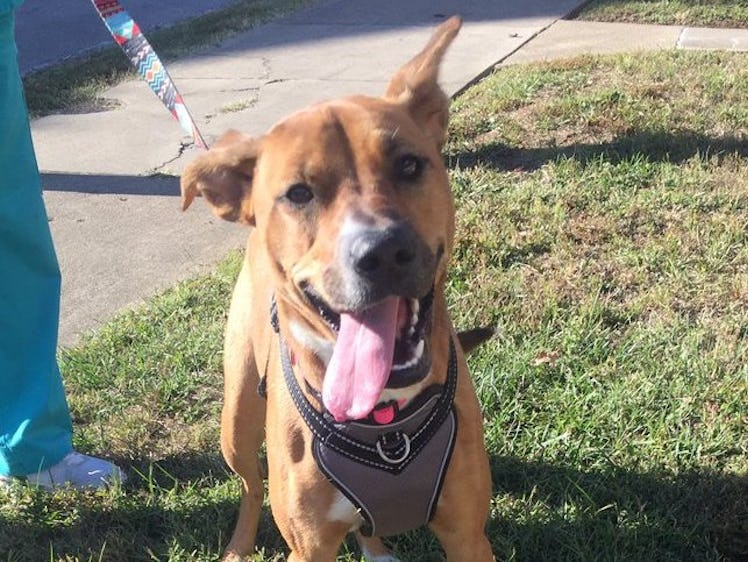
<point x="390" y="260"/>
<point x="383" y="252"/>
<point x="379" y="257"/>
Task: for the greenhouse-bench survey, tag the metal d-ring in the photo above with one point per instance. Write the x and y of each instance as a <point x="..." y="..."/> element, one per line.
<point x="390" y="460"/>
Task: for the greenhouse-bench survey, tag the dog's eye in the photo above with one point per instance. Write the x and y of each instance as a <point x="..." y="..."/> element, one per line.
<point x="409" y="167"/>
<point x="299" y="194"/>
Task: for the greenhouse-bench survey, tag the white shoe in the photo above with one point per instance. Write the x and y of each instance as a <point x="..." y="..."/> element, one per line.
<point x="77" y="471"/>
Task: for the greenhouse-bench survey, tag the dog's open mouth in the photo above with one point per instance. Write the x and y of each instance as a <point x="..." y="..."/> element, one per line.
<point x="384" y="346"/>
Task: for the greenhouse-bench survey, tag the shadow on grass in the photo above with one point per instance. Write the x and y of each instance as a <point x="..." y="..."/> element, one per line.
<point x="130" y="530"/>
<point x="661" y="146"/>
<point x="622" y="515"/>
<point x="185" y="509"/>
<point x="181" y="507"/>
<point x="164" y="473"/>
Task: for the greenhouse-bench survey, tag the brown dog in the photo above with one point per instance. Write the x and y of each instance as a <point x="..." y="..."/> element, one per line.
<point x="353" y="223"/>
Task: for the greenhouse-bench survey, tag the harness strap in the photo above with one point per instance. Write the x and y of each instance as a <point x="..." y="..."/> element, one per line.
<point x="394" y="450"/>
<point x="370" y="464"/>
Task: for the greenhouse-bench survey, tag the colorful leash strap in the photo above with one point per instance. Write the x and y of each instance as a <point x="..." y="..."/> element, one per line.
<point x="127" y="34"/>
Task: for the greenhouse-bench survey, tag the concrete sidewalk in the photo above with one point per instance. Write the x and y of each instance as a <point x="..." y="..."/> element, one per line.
<point x="120" y="234"/>
<point x="571" y="38"/>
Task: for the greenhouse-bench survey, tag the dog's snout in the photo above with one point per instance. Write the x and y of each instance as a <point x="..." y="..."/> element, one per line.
<point x="385" y="260"/>
<point x="379" y="254"/>
<point x="383" y="252"/>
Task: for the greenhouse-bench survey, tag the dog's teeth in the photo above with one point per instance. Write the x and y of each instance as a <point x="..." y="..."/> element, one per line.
<point x="419" y="350"/>
<point x="415" y="308"/>
<point x="413" y="361"/>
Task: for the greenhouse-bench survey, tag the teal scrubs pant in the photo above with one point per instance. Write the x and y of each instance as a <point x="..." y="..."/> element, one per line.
<point x="35" y="427"/>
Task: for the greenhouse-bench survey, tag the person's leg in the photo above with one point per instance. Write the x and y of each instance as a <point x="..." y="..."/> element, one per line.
<point x="35" y="427"/>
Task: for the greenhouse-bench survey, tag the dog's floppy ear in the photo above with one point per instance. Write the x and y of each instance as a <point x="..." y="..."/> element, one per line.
<point x="223" y="175"/>
<point x="416" y="86"/>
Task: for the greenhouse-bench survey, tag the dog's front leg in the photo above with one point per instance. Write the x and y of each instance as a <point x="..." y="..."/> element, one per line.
<point x="462" y="512"/>
<point x="302" y="512"/>
<point x="301" y="498"/>
<point x="243" y="417"/>
<point x="463" y="506"/>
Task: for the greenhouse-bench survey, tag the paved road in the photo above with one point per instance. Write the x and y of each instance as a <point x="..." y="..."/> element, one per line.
<point x="48" y="31"/>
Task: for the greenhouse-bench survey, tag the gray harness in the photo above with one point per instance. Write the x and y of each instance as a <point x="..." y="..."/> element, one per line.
<point x="392" y="473"/>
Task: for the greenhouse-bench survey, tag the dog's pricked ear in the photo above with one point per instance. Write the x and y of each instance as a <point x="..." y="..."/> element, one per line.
<point x="416" y="85"/>
<point x="223" y="175"/>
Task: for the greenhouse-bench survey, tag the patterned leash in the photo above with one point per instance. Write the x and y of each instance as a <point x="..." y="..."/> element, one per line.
<point x="127" y="34"/>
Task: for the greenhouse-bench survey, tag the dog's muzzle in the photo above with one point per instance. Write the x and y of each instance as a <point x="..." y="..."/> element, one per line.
<point x="379" y="262"/>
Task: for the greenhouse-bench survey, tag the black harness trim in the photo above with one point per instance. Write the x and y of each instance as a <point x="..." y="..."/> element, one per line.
<point x="369" y="463"/>
<point x="399" y="448"/>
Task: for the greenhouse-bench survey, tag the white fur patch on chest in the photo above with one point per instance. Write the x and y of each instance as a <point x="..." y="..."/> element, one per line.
<point x="343" y="511"/>
<point x="321" y="347"/>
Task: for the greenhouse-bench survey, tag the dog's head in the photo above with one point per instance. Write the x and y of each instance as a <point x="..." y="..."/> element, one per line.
<point x="352" y="202"/>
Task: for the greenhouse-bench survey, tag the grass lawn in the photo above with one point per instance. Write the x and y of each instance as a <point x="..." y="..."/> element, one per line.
<point x="76" y="85"/>
<point x="603" y="226"/>
<point x="703" y="13"/>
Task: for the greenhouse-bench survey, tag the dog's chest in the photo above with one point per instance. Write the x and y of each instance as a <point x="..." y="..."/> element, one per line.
<point x="388" y="476"/>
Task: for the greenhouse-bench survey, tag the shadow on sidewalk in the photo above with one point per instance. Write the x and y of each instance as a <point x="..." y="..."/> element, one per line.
<point x="47" y="35"/>
<point x="111" y="185"/>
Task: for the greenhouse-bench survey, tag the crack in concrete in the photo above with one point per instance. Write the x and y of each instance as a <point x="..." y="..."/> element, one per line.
<point x="266" y="76"/>
<point x="210" y="78"/>
<point x="183" y="146"/>
<point x="241" y="90"/>
<point x="236" y="105"/>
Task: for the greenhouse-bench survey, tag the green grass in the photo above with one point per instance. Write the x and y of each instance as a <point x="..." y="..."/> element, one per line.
<point x="702" y="13"/>
<point x="616" y="265"/>
<point x="77" y="85"/>
<point x="602" y="225"/>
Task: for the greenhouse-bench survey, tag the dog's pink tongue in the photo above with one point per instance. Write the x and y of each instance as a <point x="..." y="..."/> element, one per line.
<point x="361" y="362"/>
